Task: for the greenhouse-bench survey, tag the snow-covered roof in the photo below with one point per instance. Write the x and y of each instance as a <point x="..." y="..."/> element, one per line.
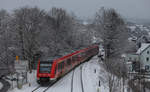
<point x="142" y="48"/>
<point x="123" y="55"/>
<point x="85" y="23"/>
<point x="132" y="28"/>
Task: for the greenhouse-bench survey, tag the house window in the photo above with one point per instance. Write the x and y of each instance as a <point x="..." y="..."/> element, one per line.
<point x="134" y="59"/>
<point x="130" y="58"/>
<point x="146" y="67"/>
<point x="147" y="52"/>
<point x="147" y="59"/>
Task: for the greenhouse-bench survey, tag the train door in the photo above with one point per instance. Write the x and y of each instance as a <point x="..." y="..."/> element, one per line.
<point x="66" y="65"/>
<point x="74" y="60"/>
<point x="79" y="57"/>
<point x="56" y="71"/>
<point x="69" y="63"/>
<point x="61" y="68"/>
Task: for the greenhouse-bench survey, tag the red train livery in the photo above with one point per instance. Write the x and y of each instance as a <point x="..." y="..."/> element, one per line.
<point x="50" y="70"/>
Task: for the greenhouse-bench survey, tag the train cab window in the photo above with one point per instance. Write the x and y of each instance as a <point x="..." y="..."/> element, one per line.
<point x="45" y="66"/>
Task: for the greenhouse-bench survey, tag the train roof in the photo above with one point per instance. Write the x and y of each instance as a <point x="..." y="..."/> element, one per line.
<point x="63" y="57"/>
<point x="74" y="53"/>
<point x="51" y="59"/>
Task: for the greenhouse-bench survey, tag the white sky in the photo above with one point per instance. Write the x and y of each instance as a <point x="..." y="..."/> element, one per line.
<point x="86" y="8"/>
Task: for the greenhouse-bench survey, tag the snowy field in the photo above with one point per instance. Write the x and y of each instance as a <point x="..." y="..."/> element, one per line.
<point x="89" y="76"/>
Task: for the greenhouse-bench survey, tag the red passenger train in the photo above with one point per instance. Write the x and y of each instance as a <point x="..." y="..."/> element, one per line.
<point x="51" y="70"/>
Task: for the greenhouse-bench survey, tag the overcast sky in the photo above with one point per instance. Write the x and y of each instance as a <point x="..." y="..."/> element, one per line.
<point x="86" y="8"/>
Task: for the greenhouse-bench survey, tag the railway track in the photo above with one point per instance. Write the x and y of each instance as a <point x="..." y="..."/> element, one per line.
<point x="81" y="81"/>
<point x="79" y="71"/>
<point x="42" y="89"/>
<point x="36" y="88"/>
<point x="72" y="81"/>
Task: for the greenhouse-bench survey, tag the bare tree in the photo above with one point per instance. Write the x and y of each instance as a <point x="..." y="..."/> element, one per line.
<point x="112" y="29"/>
<point x="28" y="24"/>
<point x="62" y="25"/>
<point x="6" y="55"/>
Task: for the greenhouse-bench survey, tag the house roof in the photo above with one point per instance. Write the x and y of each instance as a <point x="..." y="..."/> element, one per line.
<point x="143" y="47"/>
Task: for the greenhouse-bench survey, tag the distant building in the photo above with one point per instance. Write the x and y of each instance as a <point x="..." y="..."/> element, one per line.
<point x="142" y="39"/>
<point x="132" y="58"/>
<point x="142" y="57"/>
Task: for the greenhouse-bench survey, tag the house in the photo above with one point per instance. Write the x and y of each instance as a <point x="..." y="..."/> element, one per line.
<point x="132" y="58"/>
<point x="144" y="56"/>
<point x="142" y="39"/>
<point x="139" y="59"/>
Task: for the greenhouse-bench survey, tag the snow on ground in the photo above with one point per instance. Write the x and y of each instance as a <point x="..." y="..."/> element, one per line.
<point x="77" y="80"/>
<point x="26" y="87"/>
<point x="132" y="28"/>
<point x="90" y="80"/>
<point x="63" y="85"/>
<point x="1" y="85"/>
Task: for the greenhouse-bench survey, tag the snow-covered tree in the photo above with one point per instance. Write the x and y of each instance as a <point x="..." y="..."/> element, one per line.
<point x="28" y="25"/>
<point x="112" y="30"/>
<point x="6" y="50"/>
<point x="62" y="25"/>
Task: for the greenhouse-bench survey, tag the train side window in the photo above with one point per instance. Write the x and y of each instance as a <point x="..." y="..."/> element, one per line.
<point x="62" y="64"/>
<point x="65" y="62"/>
<point x="88" y="52"/>
<point x="56" y="69"/>
<point x="73" y="58"/>
<point x="59" y="67"/>
<point x="82" y="54"/>
<point x="68" y="61"/>
<point x="79" y="55"/>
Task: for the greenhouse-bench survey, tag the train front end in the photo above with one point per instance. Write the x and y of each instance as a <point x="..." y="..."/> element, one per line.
<point x="45" y="72"/>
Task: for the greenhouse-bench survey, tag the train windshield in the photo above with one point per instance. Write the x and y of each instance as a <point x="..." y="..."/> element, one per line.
<point x="45" y="67"/>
